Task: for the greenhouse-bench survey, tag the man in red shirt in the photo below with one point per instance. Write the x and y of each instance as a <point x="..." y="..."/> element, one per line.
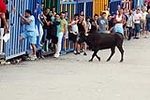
<point x="2" y="14"/>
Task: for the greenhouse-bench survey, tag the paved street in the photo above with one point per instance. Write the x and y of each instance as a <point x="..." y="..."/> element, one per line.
<point x="72" y="77"/>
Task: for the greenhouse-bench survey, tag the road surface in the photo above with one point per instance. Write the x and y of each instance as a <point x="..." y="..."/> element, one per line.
<point x="72" y="77"/>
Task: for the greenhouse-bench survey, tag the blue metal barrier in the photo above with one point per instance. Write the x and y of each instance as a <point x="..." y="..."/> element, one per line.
<point x="13" y="48"/>
<point x="70" y="7"/>
<point x="138" y="3"/>
<point x="80" y="7"/>
<point x="113" y="6"/>
<point x="89" y="11"/>
<point x="85" y="6"/>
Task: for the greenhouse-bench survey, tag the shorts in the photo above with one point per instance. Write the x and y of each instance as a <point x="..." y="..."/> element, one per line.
<point x="30" y="35"/>
<point x="54" y="39"/>
<point x="137" y="28"/>
<point x="81" y="39"/>
<point x="73" y="37"/>
<point x="119" y="29"/>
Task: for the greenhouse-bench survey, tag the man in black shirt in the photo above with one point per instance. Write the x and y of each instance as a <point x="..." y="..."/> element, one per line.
<point x="46" y="20"/>
<point x="110" y="23"/>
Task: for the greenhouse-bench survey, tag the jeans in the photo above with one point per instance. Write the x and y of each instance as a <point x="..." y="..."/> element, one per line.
<point x="59" y="42"/>
<point x="44" y="36"/>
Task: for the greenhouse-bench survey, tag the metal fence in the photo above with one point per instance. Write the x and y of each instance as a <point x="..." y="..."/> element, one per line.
<point x="86" y="6"/>
<point x="12" y="48"/>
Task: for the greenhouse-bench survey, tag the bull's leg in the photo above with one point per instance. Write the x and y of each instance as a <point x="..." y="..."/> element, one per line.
<point x="112" y="53"/>
<point x="99" y="59"/>
<point x="122" y="52"/>
<point x="94" y="54"/>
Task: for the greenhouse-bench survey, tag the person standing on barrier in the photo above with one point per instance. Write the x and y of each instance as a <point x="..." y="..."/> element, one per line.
<point x="29" y="32"/>
<point x="63" y="30"/>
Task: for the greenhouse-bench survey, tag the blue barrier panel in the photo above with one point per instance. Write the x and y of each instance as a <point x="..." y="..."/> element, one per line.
<point x="86" y="6"/>
<point x="51" y="3"/>
<point x="89" y="9"/>
<point x="113" y="6"/>
<point x="138" y="3"/>
<point x="80" y="7"/>
<point x="13" y="48"/>
<point x="70" y="7"/>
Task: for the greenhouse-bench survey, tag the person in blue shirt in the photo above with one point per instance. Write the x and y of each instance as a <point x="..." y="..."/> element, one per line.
<point x="29" y="21"/>
<point x="38" y="25"/>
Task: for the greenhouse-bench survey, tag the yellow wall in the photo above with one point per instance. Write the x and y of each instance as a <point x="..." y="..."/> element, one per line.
<point x="98" y="6"/>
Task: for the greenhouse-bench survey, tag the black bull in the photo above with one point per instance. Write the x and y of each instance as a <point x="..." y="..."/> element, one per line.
<point x="97" y="41"/>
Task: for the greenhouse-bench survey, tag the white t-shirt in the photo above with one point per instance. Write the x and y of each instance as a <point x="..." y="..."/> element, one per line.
<point x="136" y="18"/>
<point x="74" y="28"/>
<point x="130" y="21"/>
<point x="88" y="26"/>
<point x="144" y="16"/>
<point x="119" y="18"/>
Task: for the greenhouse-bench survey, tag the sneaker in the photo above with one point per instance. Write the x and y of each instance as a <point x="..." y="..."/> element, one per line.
<point x="56" y="55"/>
<point x="33" y="57"/>
<point x="78" y="52"/>
<point x="81" y="50"/>
<point x="85" y="54"/>
<point x="136" y="38"/>
<point x="75" y="52"/>
<point x="146" y="36"/>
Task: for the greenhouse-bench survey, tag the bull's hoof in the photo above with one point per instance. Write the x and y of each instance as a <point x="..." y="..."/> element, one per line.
<point x="90" y="60"/>
<point x="121" y="60"/>
<point x="108" y="60"/>
<point x="99" y="59"/>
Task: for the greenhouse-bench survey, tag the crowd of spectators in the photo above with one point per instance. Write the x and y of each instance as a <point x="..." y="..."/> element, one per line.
<point x="52" y="27"/>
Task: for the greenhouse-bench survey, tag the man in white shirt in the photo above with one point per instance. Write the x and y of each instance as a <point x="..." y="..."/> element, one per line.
<point x="74" y="32"/>
<point x="137" y="20"/>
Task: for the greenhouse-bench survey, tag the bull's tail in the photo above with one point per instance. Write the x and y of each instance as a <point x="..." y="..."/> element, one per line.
<point x="120" y="35"/>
